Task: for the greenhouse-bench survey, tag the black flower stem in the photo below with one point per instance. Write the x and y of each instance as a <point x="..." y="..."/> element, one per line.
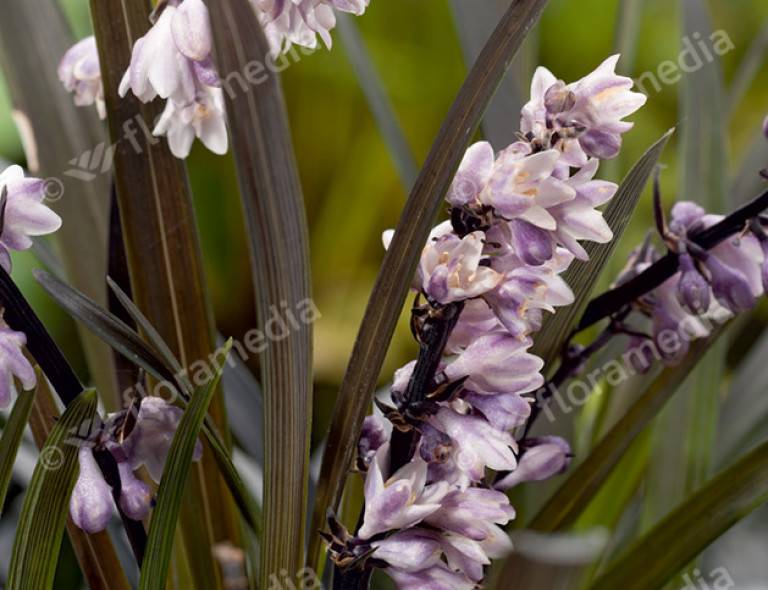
<point x="433" y="336"/>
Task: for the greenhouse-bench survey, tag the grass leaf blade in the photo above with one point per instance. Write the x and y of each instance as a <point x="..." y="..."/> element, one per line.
<point x="13" y="432"/>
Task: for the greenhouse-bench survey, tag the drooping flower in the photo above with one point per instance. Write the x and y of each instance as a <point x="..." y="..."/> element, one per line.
<point x="24" y="215"/>
<point x="543" y="458"/>
<point x="80" y="73"/>
<point x="299" y="22"/>
<point x="91" y="503"/>
<point x="13" y="363"/>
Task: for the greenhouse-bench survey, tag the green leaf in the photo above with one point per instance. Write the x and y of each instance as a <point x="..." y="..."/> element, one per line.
<point x="401" y="258"/>
<point x="13" y="432"/>
<point x="273" y="204"/>
<point x="565" y="506"/>
<point x="34" y="35"/>
<point x="378" y="101"/>
<point x="749" y="68"/>
<point x="582" y="276"/>
<point x="44" y="513"/>
<point x="685" y="533"/>
<point x="628" y="21"/>
<point x="171" y="494"/>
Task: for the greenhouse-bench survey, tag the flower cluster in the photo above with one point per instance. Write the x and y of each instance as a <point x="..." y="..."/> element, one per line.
<point x="709" y="287"/>
<point x="299" y="22"/>
<point x="433" y="515"/>
<point x="174" y="61"/>
<point x="135" y="439"/>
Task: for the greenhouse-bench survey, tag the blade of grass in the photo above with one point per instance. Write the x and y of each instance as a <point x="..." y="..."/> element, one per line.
<point x="748" y="69"/>
<point x="34" y="36"/>
<point x="13" y="431"/>
<point x="378" y="101"/>
<point x="565" y="506"/>
<point x="95" y="553"/>
<point x="172" y="491"/>
<point x="162" y="247"/>
<point x="278" y="243"/>
<point x="628" y="21"/>
<point x="400" y="260"/>
<point x="582" y="276"/>
<point x="44" y="513"/>
<point x="685" y="533"/>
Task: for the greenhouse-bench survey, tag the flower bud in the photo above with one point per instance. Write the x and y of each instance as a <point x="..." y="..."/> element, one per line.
<point x="558" y="99"/>
<point x="549" y="456"/>
<point x="730" y="286"/>
<point x="373" y="435"/>
<point x="693" y="290"/>
<point x="135" y="496"/>
<point x="91" y="503"/>
<point x="531" y="244"/>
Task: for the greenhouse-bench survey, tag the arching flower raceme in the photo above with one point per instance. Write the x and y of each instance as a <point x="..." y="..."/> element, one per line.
<point x="80" y="73"/>
<point x="13" y="364"/>
<point x="25" y="215"/>
<point x="517" y="221"/>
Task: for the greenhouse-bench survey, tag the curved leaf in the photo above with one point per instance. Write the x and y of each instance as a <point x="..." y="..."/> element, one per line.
<point x="13" y="431"/>
<point x="44" y="513"/>
<point x="687" y="531"/>
<point x="170" y="495"/>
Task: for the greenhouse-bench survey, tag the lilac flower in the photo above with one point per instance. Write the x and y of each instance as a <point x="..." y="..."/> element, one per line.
<point x="13" y="363"/>
<point x="497" y="363"/>
<point x="25" y="214"/>
<point x="299" y="22"/>
<point x="693" y="290"/>
<point x="401" y="501"/>
<point x="150" y="440"/>
<point x="472" y="176"/>
<point x="173" y="61"/>
<point x="135" y="495"/>
<point x="91" y="503"/>
<point x="475" y="513"/>
<point x="376" y="431"/>
<point x="436" y="577"/>
<point x="80" y="73"/>
<point x="545" y="457"/>
<point x="451" y="268"/>
<point x="410" y="550"/>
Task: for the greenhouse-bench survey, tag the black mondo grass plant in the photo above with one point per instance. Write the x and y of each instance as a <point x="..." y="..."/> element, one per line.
<point x="575" y="410"/>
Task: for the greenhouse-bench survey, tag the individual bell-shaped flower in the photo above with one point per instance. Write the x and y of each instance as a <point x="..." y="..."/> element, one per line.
<point x="150" y="440"/>
<point x="13" y="363"/>
<point x="545" y="457"/>
<point x="472" y="176"/>
<point x="729" y="285"/>
<point x="437" y="577"/>
<point x="410" y="550"/>
<point x="477" y="445"/>
<point x="503" y="411"/>
<point x="497" y="363"/>
<point x="533" y="245"/>
<point x="475" y="513"/>
<point x="80" y="73"/>
<point x="204" y="118"/>
<point x="451" y="269"/>
<point x="693" y="290"/>
<point x="25" y="214"/>
<point x="376" y="431"/>
<point x="90" y="505"/>
<point x="400" y="501"/>
<point x="135" y="495"/>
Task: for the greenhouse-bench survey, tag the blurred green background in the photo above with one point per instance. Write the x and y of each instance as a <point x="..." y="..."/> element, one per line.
<point x="351" y="185"/>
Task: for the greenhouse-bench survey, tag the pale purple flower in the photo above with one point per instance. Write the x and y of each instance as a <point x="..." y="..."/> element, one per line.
<point x="376" y="431"/>
<point x="477" y="444"/>
<point x="299" y="22"/>
<point x="410" y="550"/>
<point x="504" y="411"/>
<point x="436" y="577"/>
<point x="25" y="214"/>
<point x="693" y="290"/>
<point x="544" y="457"/>
<point x="451" y="270"/>
<point x="90" y="505"/>
<point x="497" y="363"/>
<point x="135" y="495"/>
<point x="80" y="73"/>
<point x="150" y="440"/>
<point x="13" y="363"/>
<point x="475" y="513"/>
<point x="400" y="501"/>
<point x="472" y="176"/>
<point x="204" y="118"/>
